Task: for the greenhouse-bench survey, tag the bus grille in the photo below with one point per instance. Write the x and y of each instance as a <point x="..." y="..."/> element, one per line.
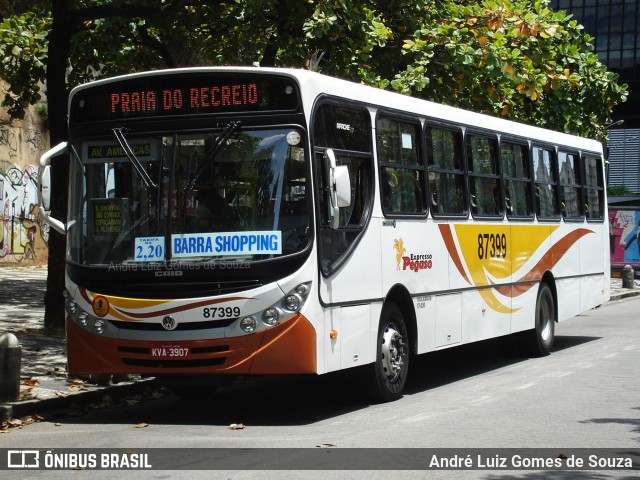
<point x="174" y="363"/>
<point x="157" y="327"/>
<point x="204" y="362"/>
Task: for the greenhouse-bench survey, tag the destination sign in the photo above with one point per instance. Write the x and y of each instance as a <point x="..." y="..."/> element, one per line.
<point x="187" y="93"/>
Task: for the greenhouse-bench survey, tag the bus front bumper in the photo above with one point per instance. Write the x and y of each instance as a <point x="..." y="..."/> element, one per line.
<point x="288" y="348"/>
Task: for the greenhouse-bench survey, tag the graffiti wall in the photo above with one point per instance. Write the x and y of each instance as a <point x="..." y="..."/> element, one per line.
<point x="23" y="234"/>
<point x="624" y="237"/>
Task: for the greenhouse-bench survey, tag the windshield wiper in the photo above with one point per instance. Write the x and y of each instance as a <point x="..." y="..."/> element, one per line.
<point x="132" y="157"/>
<point x="217" y="146"/>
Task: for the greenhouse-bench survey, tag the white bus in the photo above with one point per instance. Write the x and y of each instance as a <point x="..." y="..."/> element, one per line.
<point x="245" y="221"/>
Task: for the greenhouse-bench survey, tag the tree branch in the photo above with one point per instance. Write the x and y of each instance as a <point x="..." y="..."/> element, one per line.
<point x="154" y="44"/>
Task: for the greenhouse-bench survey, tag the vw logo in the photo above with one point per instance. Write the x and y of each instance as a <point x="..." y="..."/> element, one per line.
<point x="169" y="323"/>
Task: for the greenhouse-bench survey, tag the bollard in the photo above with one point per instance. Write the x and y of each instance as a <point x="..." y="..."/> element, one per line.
<point x="627" y="277"/>
<point x="10" y="363"/>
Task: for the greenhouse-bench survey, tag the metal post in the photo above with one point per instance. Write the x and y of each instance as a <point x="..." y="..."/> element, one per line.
<point x="627" y="277"/>
<point x="10" y="363"/>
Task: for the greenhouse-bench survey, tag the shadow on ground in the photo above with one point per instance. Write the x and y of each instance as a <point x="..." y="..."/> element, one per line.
<point x="302" y="400"/>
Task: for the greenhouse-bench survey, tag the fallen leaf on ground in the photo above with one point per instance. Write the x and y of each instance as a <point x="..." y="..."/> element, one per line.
<point x="78" y="388"/>
<point x="29" y="382"/>
<point x="141" y="425"/>
<point x="236" y="426"/>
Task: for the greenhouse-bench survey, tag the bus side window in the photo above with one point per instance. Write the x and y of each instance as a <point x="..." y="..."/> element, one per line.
<point x="569" y="178"/>
<point x="517" y="179"/>
<point x="593" y="188"/>
<point x="447" y="186"/>
<point x="484" y="182"/>
<point x="546" y="183"/>
<point x="401" y="168"/>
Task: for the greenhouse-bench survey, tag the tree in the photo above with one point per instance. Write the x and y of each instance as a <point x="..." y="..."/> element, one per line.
<point x="516" y="59"/>
<point x="511" y="58"/>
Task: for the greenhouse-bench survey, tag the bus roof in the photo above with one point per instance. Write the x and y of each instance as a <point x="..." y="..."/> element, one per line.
<point x="314" y="84"/>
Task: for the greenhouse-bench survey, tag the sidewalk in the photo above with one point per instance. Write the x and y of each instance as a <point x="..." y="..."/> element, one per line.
<point x="45" y="386"/>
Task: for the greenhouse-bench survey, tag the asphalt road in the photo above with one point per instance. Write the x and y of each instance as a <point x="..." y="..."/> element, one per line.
<point x="585" y="395"/>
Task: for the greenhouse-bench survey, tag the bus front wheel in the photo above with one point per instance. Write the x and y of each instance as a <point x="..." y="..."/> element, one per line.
<point x="388" y="373"/>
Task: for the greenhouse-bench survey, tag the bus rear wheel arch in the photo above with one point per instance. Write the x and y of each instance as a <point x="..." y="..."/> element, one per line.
<point x="538" y="342"/>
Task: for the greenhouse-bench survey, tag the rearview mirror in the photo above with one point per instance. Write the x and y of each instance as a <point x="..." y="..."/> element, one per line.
<point x="44" y="192"/>
<point x="339" y="186"/>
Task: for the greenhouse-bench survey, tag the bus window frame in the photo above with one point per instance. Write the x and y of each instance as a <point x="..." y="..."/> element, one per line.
<point x="579" y="185"/>
<point x="601" y="186"/>
<point x="522" y="142"/>
<point x="422" y="159"/>
<point x="494" y="136"/>
<point x="553" y="149"/>
<point x="458" y="129"/>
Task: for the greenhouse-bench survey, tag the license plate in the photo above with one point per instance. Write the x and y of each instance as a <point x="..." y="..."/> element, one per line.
<point x="172" y="350"/>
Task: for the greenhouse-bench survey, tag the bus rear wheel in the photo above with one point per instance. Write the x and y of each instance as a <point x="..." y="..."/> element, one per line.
<point x="538" y="342"/>
<point x="388" y="373"/>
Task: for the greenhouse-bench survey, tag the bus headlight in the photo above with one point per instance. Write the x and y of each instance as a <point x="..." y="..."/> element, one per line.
<point x="98" y="326"/>
<point x="279" y="312"/>
<point x="83" y="319"/>
<point x="248" y="324"/>
<point x="72" y="307"/>
<point x="270" y="316"/>
<point x="292" y="303"/>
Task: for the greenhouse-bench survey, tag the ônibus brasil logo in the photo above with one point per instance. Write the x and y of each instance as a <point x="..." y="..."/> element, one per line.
<point x="412" y="261"/>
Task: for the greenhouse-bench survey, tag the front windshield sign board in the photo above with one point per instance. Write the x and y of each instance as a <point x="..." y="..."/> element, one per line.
<point x="101" y="152"/>
<point x="226" y="243"/>
<point x="109" y="219"/>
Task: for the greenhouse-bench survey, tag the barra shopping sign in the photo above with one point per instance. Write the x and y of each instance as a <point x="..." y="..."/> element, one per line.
<point x="228" y="243"/>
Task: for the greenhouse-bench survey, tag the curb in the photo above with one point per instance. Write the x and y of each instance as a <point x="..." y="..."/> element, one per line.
<point x="58" y="404"/>
<point x="623" y="294"/>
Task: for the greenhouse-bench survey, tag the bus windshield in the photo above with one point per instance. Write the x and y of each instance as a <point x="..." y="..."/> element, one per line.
<point x="233" y="193"/>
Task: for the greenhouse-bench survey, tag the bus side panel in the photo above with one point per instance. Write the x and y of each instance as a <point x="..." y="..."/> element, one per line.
<point x="359" y="278"/>
<point x="352" y="345"/>
<point x="531" y="257"/>
<point x="480" y="322"/>
<point x="425" y="307"/>
<point x="484" y="261"/>
<point x="568" y="294"/>
<point x="595" y="261"/>
<point x="565" y="249"/>
<point x="413" y="254"/>
<point x="358" y="281"/>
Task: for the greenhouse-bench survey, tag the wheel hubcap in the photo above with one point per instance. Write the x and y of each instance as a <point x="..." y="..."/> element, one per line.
<point x="392" y="353"/>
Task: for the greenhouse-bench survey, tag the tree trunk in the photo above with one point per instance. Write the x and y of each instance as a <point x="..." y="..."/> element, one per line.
<point x="59" y="41"/>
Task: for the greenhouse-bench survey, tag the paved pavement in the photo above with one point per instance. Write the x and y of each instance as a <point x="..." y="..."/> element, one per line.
<point x="45" y="387"/>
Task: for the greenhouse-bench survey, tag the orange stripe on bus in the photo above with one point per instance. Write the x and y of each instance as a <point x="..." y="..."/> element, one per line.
<point x="447" y="236"/>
